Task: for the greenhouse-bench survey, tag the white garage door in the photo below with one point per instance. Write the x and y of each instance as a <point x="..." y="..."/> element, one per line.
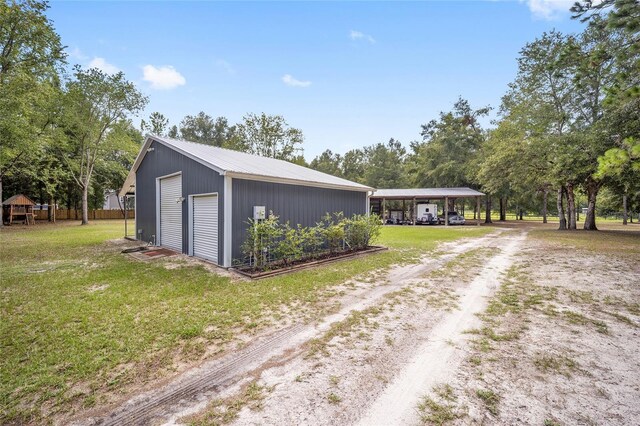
<point x="205" y="227"/>
<point x="171" y="213"/>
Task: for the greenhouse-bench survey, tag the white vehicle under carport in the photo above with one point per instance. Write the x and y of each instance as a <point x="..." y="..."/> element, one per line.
<point x="426" y="214"/>
<point x="456" y="220"/>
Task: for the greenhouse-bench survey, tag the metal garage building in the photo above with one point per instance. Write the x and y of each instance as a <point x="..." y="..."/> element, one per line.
<point x="196" y="199"/>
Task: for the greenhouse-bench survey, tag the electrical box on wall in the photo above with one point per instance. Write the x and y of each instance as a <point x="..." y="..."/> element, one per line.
<point x="259" y="212"/>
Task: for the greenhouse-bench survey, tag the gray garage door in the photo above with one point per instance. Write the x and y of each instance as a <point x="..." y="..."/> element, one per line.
<point x="171" y="213"/>
<point x="205" y="227"/>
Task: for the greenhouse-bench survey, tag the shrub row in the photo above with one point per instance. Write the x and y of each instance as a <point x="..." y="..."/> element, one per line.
<point x="270" y="242"/>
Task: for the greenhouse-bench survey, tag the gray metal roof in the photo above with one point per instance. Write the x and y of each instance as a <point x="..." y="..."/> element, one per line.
<point x="245" y="166"/>
<point x="426" y="193"/>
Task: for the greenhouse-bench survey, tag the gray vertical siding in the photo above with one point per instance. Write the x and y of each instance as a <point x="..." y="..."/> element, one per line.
<point x="297" y="204"/>
<point x="294" y="203"/>
<point x="196" y="179"/>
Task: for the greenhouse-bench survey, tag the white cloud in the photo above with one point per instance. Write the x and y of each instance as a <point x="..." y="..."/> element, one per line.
<point x="357" y="35"/>
<point x="290" y="81"/>
<point x="163" y="78"/>
<point x="549" y="10"/>
<point x="103" y="65"/>
<point x="226" y="66"/>
<point x="77" y="54"/>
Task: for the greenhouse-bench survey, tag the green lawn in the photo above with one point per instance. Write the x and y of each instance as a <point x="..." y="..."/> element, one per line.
<point x="80" y="320"/>
<point x="495" y="216"/>
<point x="610" y="239"/>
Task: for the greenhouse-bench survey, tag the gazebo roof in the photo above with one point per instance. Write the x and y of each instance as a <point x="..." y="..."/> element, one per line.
<point x="18" y="200"/>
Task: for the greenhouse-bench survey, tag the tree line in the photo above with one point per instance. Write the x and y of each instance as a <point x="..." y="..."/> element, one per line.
<point x="259" y="134"/>
<point x="68" y="135"/>
<point x="568" y="127"/>
<point x="567" y="130"/>
<point x="61" y="131"/>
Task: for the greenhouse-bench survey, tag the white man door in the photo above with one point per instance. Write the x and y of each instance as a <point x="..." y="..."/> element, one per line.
<point x="205" y="227"/>
<point x="171" y="212"/>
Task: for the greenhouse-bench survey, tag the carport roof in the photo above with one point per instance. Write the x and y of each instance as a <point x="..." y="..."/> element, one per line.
<point x="428" y="193"/>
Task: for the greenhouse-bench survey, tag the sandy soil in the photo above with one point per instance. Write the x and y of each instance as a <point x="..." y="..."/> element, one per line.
<point x="192" y="390"/>
<point x="504" y="329"/>
<point x="380" y="369"/>
<point x="440" y="354"/>
<point x="573" y="357"/>
<point x="556" y="342"/>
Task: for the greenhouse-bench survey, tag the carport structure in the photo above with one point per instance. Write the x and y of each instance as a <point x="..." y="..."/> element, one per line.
<point x="380" y="197"/>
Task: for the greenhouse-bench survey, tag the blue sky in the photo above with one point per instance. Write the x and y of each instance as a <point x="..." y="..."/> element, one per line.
<point x="348" y="74"/>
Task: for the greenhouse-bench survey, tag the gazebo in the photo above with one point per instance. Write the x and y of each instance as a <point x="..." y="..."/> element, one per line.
<point x="18" y="206"/>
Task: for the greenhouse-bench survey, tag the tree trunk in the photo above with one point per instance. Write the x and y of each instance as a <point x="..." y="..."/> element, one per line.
<point x="624" y="209"/>
<point x="545" y="200"/>
<point x="506" y="203"/>
<point x="487" y="216"/>
<point x="561" y="216"/>
<point x="69" y="201"/>
<point x="49" y="215"/>
<point x="571" y="207"/>
<point x="521" y="213"/>
<point x="592" y="194"/>
<point x="1" y="208"/>
<point x="123" y="209"/>
<point x="85" y="205"/>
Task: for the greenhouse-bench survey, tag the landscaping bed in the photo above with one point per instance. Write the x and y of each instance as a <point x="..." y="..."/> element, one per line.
<point x="278" y="269"/>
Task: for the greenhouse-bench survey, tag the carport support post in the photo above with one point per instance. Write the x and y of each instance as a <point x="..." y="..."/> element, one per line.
<point x="384" y="208"/>
<point x="446" y="211"/>
<point x="413" y="212"/>
<point x="478" y="211"/>
<point x="125" y="216"/>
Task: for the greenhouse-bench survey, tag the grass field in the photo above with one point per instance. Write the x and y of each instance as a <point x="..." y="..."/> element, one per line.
<point x="80" y="320"/>
<point x="610" y="239"/>
<point x="495" y="216"/>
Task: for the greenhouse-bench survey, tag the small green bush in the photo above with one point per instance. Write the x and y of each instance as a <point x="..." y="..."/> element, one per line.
<point x="360" y="230"/>
<point x="262" y="236"/>
<point x="269" y="241"/>
<point x="290" y="247"/>
<point x="312" y="239"/>
<point x="333" y="230"/>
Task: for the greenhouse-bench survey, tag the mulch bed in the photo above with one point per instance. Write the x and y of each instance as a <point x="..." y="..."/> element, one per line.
<point x="252" y="273"/>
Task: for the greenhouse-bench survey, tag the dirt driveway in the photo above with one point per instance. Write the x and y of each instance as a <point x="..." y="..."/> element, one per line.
<point x="503" y="329"/>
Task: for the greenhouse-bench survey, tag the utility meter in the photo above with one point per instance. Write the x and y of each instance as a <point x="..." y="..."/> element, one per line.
<point x="259" y="212"/>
